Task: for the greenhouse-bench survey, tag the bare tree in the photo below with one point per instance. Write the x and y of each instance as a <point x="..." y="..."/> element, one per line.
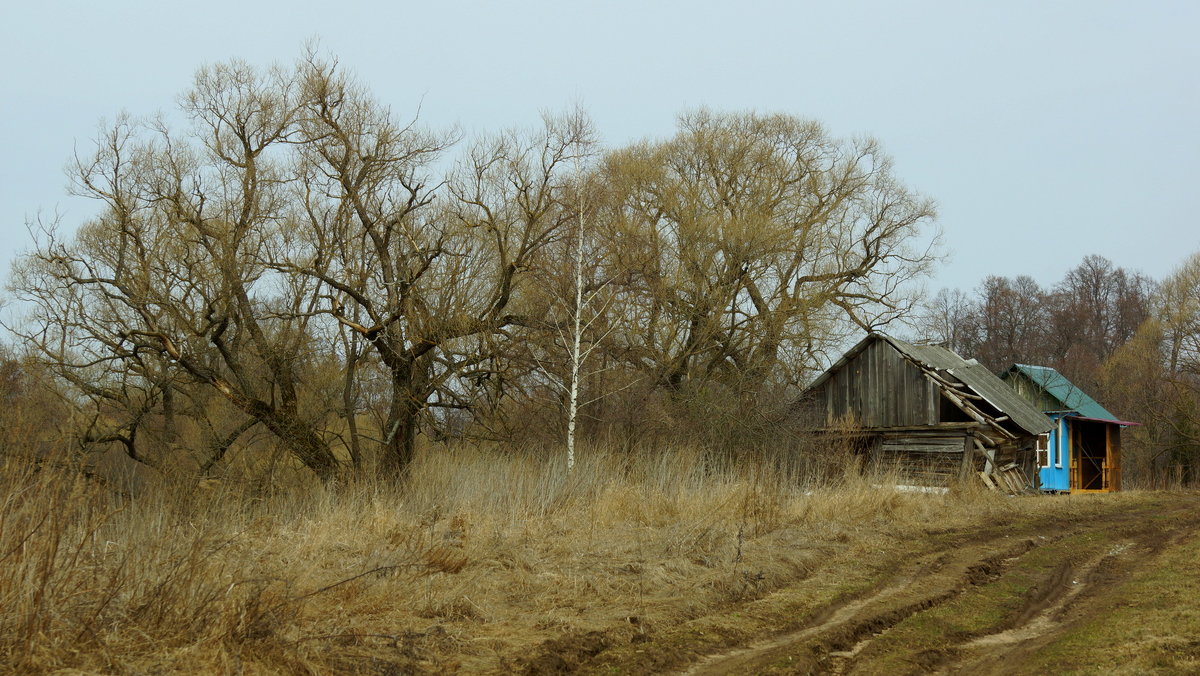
<point x="303" y="256"/>
<point x="1012" y="322"/>
<point x="1073" y="327"/>
<point x="1095" y="309"/>
<point x="950" y="318"/>
<point x="1154" y="378"/>
<point x="747" y="245"/>
<point x="431" y="282"/>
<point x="1178" y="310"/>
<point x="170" y="281"/>
<point x="579" y="312"/>
<point x="1178" y="313"/>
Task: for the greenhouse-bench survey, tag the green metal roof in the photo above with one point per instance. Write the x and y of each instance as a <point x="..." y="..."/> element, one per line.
<point x="1071" y="397"/>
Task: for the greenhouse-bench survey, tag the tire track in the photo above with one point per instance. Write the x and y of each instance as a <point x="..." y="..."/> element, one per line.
<point x="830" y="644"/>
<point x="1075" y="594"/>
<point x="835" y="640"/>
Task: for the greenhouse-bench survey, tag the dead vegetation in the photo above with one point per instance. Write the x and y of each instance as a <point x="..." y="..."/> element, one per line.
<point x="488" y="556"/>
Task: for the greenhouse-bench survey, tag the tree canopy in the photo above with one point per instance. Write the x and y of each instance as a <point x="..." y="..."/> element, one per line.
<point x="299" y="260"/>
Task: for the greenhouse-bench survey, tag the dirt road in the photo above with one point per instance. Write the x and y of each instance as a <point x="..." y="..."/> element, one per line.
<point x="1112" y="592"/>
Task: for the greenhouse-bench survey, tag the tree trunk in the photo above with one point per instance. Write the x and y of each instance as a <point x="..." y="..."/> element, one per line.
<point x="350" y="409"/>
<point x="303" y="442"/>
<point x="401" y="429"/>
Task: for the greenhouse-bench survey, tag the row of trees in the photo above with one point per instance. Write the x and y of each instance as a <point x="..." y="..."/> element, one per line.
<point x="296" y="262"/>
<point x="296" y="271"/>
<point x="1131" y="342"/>
<point x="1073" y="326"/>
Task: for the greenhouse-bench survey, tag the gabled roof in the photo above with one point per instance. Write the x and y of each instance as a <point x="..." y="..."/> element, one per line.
<point x="938" y="362"/>
<point x="1071" y="397"/>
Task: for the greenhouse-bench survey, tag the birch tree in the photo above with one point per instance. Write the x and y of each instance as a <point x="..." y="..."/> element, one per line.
<point x="585" y="307"/>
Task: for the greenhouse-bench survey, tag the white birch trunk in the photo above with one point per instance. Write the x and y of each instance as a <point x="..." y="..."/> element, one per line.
<point x="576" y="331"/>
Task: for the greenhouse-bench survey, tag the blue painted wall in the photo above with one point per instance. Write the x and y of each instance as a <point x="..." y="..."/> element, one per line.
<point x="1057" y="477"/>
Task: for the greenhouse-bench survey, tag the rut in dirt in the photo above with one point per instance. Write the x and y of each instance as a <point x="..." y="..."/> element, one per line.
<point x="1074" y="594"/>
<point x="834" y="642"/>
<point x="829" y="644"/>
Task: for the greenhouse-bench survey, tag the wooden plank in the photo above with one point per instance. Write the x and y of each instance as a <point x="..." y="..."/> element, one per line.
<point x="1023" y="478"/>
<point x="901" y="406"/>
<point x="931" y="400"/>
<point x="880" y="391"/>
<point x="925" y="442"/>
<point x="934" y="439"/>
<point x="940" y="429"/>
<point x="843" y="393"/>
<point x="968" y="453"/>
<point x="915" y="448"/>
<point x="1114" y="457"/>
<point x="885" y="380"/>
<point x="918" y="442"/>
<point x="828" y="403"/>
<point x="928" y="398"/>
<point x="876" y="393"/>
<point x="875" y="386"/>
<point x="1002" y="481"/>
<point x="843" y="390"/>
<point x="857" y="384"/>
<point x="1015" y="484"/>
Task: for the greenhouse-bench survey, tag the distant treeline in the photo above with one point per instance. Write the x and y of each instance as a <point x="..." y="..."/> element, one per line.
<point x="1131" y="342"/>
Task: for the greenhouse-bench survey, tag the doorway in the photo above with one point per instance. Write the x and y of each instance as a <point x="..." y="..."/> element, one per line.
<point x="1090" y="458"/>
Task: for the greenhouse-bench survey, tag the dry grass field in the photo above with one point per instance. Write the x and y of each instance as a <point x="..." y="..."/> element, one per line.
<point x="494" y="562"/>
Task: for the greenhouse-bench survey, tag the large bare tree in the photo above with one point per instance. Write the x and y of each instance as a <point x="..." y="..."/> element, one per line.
<point x="748" y="244"/>
<point x="431" y="275"/>
<point x="172" y="279"/>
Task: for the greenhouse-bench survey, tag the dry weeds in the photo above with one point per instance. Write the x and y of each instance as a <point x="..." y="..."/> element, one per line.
<point x="488" y="555"/>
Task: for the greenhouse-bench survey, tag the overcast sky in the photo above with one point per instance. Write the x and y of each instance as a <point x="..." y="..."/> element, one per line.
<point x="1044" y="130"/>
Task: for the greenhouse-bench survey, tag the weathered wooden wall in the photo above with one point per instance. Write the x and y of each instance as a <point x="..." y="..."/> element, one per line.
<point x="881" y="389"/>
<point x="932" y="457"/>
<point x="914" y="415"/>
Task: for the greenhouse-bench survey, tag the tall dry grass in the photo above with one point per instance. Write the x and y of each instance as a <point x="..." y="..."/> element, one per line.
<point x="484" y="554"/>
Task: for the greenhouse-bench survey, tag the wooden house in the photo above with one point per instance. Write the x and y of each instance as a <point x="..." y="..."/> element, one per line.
<point x="1083" y="450"/>
<point x="936" y="417"/>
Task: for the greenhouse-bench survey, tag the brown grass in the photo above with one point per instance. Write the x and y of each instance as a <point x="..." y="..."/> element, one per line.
<point x="487" y="555"/>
